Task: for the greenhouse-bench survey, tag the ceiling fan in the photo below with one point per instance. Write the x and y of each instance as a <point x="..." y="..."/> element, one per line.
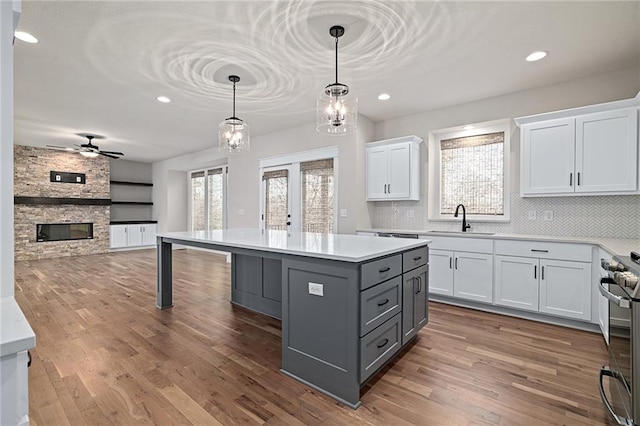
<point x="89" y="149"/>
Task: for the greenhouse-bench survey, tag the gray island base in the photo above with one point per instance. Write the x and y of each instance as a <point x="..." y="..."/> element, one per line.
<point x="347" y="303"/>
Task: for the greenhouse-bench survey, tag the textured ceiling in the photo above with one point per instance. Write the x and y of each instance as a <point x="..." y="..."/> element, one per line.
<point x="100" y="65"/>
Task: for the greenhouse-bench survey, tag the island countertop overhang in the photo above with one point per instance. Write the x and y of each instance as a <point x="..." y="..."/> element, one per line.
<point x="341" y="247"/>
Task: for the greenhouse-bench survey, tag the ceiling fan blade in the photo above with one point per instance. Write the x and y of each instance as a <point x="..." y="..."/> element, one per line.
<point x="112" y="152"/>
<point x="62" y="148"/>
<point x="108" y="155"/>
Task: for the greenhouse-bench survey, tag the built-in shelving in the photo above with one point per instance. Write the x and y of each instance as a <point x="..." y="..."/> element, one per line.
<point x="133" y="203"/>
<point x="122" y="182"/>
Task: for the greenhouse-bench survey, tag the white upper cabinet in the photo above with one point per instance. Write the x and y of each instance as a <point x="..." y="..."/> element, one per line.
<point x="607" y="151"/>
<point x="586" y="151"/>
<point x="393" y="169"/>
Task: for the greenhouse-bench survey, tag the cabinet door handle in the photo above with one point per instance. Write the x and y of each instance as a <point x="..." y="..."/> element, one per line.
<point x="384" y="302"/>
<point x="385" y="188"/>
<point x="450" y="262"/>
<point x="383" y="343"/>
<point x="389" y="188"/>
<point x="535" y="271"/>
<point x="383" y="270"/>
<point x="570" y="179"/>
<point x="578" y="178"/>
<point x="456" y="263"/>
<point x="542" y="273"/>
<point x="540" y="251"/>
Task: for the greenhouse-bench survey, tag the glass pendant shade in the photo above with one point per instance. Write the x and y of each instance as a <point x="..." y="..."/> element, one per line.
<point x="336" y="114"/>
<point x="233" y="136"/>
<point x="233" y="133"/>
<point x="336" y="110"/>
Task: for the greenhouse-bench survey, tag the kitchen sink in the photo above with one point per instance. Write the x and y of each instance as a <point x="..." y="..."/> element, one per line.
<point x="461" y="233"/>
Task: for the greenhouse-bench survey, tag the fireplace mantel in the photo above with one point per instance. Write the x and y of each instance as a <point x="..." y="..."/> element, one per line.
<point x="61" y="201"/>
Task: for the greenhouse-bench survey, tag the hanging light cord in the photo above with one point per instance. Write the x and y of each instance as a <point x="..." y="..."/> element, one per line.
<point x="234" y="99"/>
<point x="336" y="60"/>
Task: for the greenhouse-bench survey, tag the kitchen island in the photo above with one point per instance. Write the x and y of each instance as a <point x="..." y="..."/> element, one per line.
<point x="347" y="303"/>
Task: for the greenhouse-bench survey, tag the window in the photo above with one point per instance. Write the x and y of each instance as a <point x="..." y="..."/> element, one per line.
<point x="207" y="209"/>
<point x="470" y="168"/>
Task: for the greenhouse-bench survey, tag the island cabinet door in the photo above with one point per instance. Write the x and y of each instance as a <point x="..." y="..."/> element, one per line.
<point x="414" y="302"/>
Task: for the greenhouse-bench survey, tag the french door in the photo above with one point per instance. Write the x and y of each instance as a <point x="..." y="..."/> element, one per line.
<point x="208" y="199"/>
<point x="299" y="197"/>
<point x="277" y="197"/>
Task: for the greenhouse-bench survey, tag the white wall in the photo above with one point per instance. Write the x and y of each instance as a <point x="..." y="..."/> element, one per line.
<point x="170" y="178"/>
<point x="6" y="149"/>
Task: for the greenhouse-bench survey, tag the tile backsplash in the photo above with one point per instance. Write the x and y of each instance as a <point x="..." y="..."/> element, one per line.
<point x="612" y="216"/>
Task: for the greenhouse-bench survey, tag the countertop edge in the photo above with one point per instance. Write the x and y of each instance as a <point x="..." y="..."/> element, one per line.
<point x="17" y="334"/>
<point x="603" y="242"/>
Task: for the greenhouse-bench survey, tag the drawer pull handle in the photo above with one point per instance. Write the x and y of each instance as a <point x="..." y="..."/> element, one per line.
<point x="415" y="259"/>
<point x="383" y="270"/>
<point x="384" y="302"/>
<point x="540" y="251"/>
<point x="383" y="343"/>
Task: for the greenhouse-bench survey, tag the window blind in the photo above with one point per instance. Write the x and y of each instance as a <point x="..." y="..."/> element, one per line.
<point x="317" y="196"/>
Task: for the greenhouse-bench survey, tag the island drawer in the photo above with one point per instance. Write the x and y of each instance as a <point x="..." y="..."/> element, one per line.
<point x="379" y="303"/>
<point x="414" y="258"/>
<point x="380" y="270"/>
<point x="379" y="346"/>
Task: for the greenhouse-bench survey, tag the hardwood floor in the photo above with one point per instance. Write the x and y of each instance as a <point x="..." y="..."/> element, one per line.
<point x="105" y="355"/>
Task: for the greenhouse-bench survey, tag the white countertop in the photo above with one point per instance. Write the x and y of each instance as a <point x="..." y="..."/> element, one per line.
<point x="614" y="246"/>
<point x="343" y="247"/>
<point x="16" y="335"/>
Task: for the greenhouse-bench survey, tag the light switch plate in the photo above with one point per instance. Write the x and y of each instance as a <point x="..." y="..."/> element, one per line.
<point x="241" y="212"/>
<point x="548" y="215"/>
<point x="316" y="289"/>
<point x="532" y="215"/>
<point x="343" y="212"/>
<point x="410" y="213"/>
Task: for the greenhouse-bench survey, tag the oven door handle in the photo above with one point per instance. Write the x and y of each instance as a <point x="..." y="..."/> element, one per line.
<point x="619" y="301"/>
<point x="606" y="371"/>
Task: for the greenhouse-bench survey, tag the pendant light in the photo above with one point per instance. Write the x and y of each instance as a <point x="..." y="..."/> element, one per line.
<point x="336" y="112"/>
<point x="233" y="133"/>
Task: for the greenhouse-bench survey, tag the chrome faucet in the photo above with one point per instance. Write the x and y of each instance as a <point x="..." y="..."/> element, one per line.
<point x="465" y="225"/>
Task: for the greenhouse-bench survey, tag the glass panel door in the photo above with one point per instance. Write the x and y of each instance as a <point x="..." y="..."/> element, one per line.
<point x="215" y="197"/>
<point x="277" y="201"/>
<point x="197" y="201"/>
<point x="317" y="196"/>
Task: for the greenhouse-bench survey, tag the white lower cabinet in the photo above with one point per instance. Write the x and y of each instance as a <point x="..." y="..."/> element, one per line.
<point x="565" y="289"/>
<point x="517" y="282"/>
<point x="556" y="281"/>
<point x="133" y="235"/>
<point x="461" y="274"/>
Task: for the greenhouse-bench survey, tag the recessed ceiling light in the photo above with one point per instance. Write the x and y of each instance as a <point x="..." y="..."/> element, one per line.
<point x="163" y="99"/>
<point x="468" y="127"/>
<point x="384" y="96"/>
<point x="26" y="37"/>
<point x="536" y="56"/>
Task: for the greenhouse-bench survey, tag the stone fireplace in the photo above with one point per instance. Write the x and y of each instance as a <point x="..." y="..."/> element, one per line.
<point x="40" y="200"/>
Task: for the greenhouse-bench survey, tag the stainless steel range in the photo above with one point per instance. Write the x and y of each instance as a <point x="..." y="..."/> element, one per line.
<point x="622" y="375"/>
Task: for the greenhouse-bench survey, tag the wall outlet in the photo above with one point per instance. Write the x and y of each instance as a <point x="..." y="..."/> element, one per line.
<point x="410" y="213"/>
<point x="316" y="289"/>
<point x="532" y="215"/>
<point x="548" y="215"/>
<point x="343" y="212"/>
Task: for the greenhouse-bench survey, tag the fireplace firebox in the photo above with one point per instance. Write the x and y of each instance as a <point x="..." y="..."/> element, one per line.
<point x="63" y="231"/>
